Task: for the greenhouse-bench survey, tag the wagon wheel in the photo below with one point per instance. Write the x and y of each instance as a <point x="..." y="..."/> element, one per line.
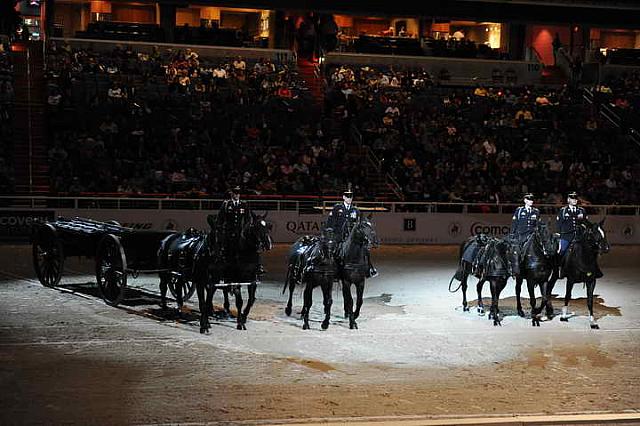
<point x="111" y="266"/>
<point x="187" y="287"/>
<point x="48" y="255"/>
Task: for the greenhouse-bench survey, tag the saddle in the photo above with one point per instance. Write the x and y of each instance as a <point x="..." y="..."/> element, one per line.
<point x="471" y="252"/>
<point x="565" y="265"/>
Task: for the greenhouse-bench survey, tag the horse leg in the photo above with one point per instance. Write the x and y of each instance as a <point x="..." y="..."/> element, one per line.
<point x="211" y="289"/>
<point x="163" y="290"/>
<point x="567" y="298"/>
<point x="353" y="325"/>
<point x="359" y="299"/>
<point x="308" y="301"/>
<point x="179" y="300"/>
<point x="327" y="288"/>
<point x="546" y="301"/>
<point x="202" y="305"/>
<point x="347" y="299"/>
<point x="591" y="286"/>
<point x="535" y="319"/>
<point x="237" y="292"/>
<point x="227" y="312"/>
<point x="465" y="307"/>
<point x="480" y="307"/>
<point x="292" y="285"/>
<point x="518" y="291"/>
<point x="496" y="287"/>
<point x="251" y="289"/>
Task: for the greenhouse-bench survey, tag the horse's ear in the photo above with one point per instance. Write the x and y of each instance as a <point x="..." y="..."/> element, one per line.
<point x="601" y="223"/>
<point x="370" y="215"/>
<point x="211" y="220"/>
<point x="266" y="213"/>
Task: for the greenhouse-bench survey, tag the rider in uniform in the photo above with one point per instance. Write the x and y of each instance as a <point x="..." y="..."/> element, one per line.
<point x="567" y="221"/>
<point x="234" y="214"/>
<point x="523" y="224"/>
<point x="342" y="218"/>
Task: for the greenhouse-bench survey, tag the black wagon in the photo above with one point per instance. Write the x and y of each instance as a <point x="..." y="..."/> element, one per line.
<point x="119" y="252"/>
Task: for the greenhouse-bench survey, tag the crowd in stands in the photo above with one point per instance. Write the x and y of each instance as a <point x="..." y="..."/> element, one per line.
<point x="6" y="140"/>
<point x="483" y="144"/>
<point x="172" y="122"/>
<point x="623" y="94"/>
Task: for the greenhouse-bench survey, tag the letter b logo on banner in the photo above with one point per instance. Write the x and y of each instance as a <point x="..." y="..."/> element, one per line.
<point x="410" y="224"/>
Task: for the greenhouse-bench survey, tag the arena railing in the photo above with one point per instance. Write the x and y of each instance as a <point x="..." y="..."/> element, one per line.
<point x="308" y="205"/>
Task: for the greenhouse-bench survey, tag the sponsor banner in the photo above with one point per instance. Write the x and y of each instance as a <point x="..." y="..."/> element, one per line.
<point x="392" y="228"/>
<point x="18" y="223"/>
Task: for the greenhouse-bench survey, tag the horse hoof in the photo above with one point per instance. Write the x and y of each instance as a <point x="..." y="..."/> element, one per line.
<point x="497" y="323"/>
<point x="595" y="327"/>
<point x="465" y="309"/>
<point x="202" y="330"/>
<point x="563" y="319"/>
<point x="325" y="325"/>
<point x="481" y="312"/>
<point x="305" y="327"/>
<point x="287" y="311"/>
<point x="239" y="327"/>
<point x="355" y="325"/>
<point x="521" y="313"/>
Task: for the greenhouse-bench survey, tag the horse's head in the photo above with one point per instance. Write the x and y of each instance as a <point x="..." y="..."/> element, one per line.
<point x="545" y="239"/>
<point x="365" y="231"/>
<point x="259" y="230"/>
<point x="594" y="233"/>
<point x="327" y="242"/>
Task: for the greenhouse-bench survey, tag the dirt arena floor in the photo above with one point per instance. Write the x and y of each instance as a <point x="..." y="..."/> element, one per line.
<point x="66" y="357"/>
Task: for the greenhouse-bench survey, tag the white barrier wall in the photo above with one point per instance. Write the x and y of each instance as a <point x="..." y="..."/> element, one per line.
<point x="468" y="70"/>
<point x="392" y="228"/>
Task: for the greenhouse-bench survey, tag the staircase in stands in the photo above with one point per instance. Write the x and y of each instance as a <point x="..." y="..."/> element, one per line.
<point x="381" y="184"/>
<point x="310" y="73"/>
<point x="30" y="152"/>
<point x="553" y="75"/>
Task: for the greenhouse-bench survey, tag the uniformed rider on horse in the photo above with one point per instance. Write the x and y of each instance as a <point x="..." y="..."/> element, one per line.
<point x="523" y="223"/>
<point x="567" y="221"/>
<point x="232" y="218"/>
<point x="341" y="220"/>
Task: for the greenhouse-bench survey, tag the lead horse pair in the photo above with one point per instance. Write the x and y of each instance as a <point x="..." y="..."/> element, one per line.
<point x="198" y="257"/>
<point x="318" y="261"/>
<point x="495" y="260"/>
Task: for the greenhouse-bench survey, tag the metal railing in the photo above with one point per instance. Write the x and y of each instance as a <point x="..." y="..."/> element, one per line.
<point x="373" y="159"/>
<point x="302" y="206"/>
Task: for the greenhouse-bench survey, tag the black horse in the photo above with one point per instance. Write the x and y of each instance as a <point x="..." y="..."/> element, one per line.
<point x="536" y="264"/>
<point x="196" y="256"/>
<point x="312" y="263"/>
<point x="239" y="265"/>
<point x="580" y="264"/>
<point x="471" y="252"/>
<point x="488" y="259"/>
<point x="353" y="259"/>
<point x="176" y="261"/>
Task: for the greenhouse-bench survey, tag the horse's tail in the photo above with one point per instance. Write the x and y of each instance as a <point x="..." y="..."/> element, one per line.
<point x="460" y="270"/>
<point x="451" y="282"/>
<point x="286" y="280"/>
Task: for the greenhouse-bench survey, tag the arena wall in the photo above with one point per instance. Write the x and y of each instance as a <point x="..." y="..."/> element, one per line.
<point x="392" y="228"/>
<point x="275" y="55"/>
<point x="463" y="71"/>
